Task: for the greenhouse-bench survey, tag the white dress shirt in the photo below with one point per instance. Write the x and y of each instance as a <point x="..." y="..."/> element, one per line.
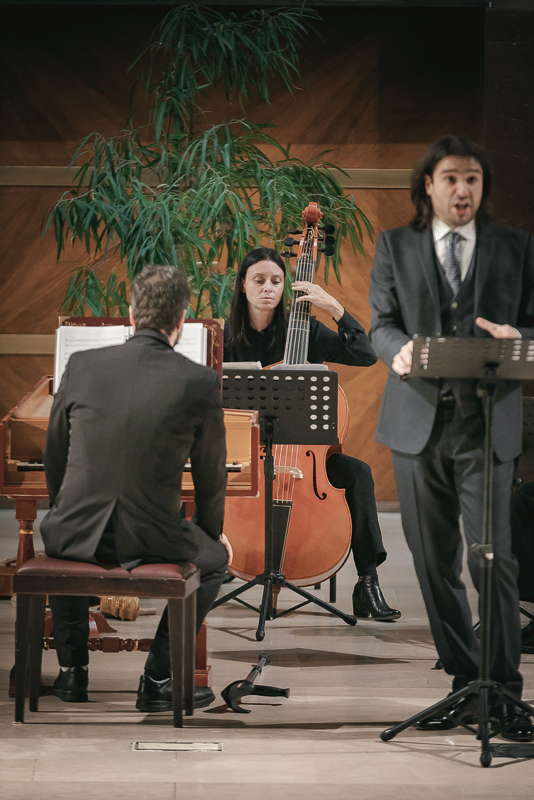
<point x="466" y="246"/>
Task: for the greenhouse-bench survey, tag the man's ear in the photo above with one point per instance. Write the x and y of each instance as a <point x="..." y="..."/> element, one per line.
<point x="428" y="184"/>
<point x="131" y="316"/>
<point x="181" y="322"/>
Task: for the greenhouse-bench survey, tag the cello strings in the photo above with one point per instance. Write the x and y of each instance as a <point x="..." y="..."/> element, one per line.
<point x="297" y="349"/>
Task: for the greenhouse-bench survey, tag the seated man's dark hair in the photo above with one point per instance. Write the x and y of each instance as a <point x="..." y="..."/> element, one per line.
<point x="449" y="145"/>
<point x="160" y="295"/>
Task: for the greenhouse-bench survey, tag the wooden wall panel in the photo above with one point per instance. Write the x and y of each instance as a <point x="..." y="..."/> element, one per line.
<point x="386" y="208"/>
<point x="376" y="88"/>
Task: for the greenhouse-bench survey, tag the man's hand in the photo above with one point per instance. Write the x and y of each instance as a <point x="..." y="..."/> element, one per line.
<point x="224" y="540"/>
<point x="496" y="330"/>
<point x="402" y="362"/>
<point x="313" y="293"/>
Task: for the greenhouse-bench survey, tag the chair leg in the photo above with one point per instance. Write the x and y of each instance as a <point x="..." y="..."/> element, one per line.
<point x="333" y="588"/>
<point x="189" y="652"/>
<point x="35" y="656"/>
<point x="21" y="654"/>
<point x="176" y="609"/>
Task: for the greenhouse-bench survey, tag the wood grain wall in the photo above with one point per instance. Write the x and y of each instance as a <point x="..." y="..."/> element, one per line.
<point x="376" y="87"/>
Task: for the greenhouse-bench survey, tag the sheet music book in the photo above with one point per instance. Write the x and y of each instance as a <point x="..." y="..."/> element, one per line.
<point x="242" y="365"/>
<point x="193" y="342"/>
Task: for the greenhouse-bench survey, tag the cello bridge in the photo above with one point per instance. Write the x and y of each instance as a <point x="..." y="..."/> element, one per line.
<point x="293" y="472"/>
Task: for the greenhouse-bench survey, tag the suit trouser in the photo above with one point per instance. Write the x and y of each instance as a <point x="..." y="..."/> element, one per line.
<point x="353" y="475"/>
<point x="71" y="614"/>
<point x="523" y="538"/>
<point x="436" y="487"/>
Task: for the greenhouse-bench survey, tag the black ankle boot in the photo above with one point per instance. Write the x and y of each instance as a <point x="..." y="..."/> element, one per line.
<point x="368" y="601"/>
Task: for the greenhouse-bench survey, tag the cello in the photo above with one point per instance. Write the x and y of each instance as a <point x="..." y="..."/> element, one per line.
<point x="312" y="521"/>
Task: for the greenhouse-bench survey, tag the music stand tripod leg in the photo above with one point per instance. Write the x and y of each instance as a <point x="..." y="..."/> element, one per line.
<point x="239" y="590"/>
<point x="348" y="618"/>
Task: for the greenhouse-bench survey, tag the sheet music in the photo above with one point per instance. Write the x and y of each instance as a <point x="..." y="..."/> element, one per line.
<point x="70" y="339"/>
<point x="73" y="338"/>
<point x="242" y="365"/>
<point x="193" y="343"/>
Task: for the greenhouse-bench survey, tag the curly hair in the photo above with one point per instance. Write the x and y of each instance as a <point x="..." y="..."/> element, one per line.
<point x="160" y="295"/>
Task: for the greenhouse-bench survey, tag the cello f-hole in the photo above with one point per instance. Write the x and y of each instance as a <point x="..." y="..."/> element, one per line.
<point x="322" y="495"/>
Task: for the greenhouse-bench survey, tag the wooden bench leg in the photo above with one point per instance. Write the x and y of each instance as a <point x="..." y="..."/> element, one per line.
<point x="176" y="618"/>
<point x="21" y="654"/>
<point x="35" y="655"/>
<point x="189" y="653"/>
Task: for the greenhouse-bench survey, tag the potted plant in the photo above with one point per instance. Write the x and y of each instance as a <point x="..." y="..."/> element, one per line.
<point x="178" y="191"/>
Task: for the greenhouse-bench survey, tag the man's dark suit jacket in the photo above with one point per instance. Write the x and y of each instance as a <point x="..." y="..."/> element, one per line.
<point x="123" y="422"/>
<point x="405" y="302"/>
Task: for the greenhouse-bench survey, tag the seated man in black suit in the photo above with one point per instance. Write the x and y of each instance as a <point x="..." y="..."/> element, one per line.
<point x="123" y="422"/>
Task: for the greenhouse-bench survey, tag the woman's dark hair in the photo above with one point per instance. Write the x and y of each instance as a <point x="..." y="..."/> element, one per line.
<point x="447" y="146"/>
<point x="239" y="322"/>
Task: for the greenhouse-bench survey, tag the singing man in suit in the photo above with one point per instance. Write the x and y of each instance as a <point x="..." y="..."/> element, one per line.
<point x="452" y="272"/>
<point x="123" y="422"/>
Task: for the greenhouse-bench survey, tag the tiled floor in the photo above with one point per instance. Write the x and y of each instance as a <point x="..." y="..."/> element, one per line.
<point x="346" y="684"/>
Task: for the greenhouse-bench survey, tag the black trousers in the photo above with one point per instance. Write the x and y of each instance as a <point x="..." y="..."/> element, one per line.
<point x="71" y="614"/>
<point x="523" y="538"/>
<point x="353" y="475"/>
<point x="435" y="488"/>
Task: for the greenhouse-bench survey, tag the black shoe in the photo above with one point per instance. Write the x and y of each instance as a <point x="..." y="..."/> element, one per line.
<point x="527" y="638"/>
<point x="152" y="696"/>
<point x="516" y="724"/>
<point x="71" y="685"/>
<point x="461" y="713"/>
<point x="368" y="601"/>
<point x="228" y="577"/>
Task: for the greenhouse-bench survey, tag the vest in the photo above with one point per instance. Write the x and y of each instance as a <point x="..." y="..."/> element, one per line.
<point x="457" y="319"/>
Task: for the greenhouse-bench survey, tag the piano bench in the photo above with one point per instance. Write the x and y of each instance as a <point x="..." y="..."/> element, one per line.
<point x="39" y="577"/>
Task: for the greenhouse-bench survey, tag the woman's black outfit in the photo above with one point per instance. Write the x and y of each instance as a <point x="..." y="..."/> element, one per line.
<point x="350" y="346"/>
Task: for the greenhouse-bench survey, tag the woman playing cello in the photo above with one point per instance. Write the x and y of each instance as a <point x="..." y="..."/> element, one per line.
<point x="256" y="332"/>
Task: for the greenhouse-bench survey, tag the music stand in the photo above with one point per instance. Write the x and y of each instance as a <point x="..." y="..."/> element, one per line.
<point x="488" y="361"/>
<point x="284" y="398"/>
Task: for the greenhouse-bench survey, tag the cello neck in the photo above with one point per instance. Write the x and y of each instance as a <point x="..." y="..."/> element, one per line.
<point x="298" y="329"/>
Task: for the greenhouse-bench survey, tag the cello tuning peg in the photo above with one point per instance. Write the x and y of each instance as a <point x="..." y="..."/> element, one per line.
<point x="289" y="242"/>
<point x="328" y="250"/>
<point x="288" y="254"/>
<point x="329" y="229"/>
<point x="294" y="233"/>
<point x="329" y="240"/>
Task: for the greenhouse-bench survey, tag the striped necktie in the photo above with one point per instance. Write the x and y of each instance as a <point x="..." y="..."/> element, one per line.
<point x="451" y="263"/>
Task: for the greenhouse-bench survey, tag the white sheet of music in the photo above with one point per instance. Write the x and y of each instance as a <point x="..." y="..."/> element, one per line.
<point x="72" y="338"/>
<point x="193" y="343"/>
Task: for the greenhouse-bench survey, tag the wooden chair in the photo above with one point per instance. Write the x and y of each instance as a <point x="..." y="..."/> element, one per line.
<point x="43" y="576"/>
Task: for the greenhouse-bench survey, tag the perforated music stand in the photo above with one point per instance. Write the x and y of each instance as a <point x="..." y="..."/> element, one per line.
<point x="488" y="361"/>
<point x="292" y="411"/>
